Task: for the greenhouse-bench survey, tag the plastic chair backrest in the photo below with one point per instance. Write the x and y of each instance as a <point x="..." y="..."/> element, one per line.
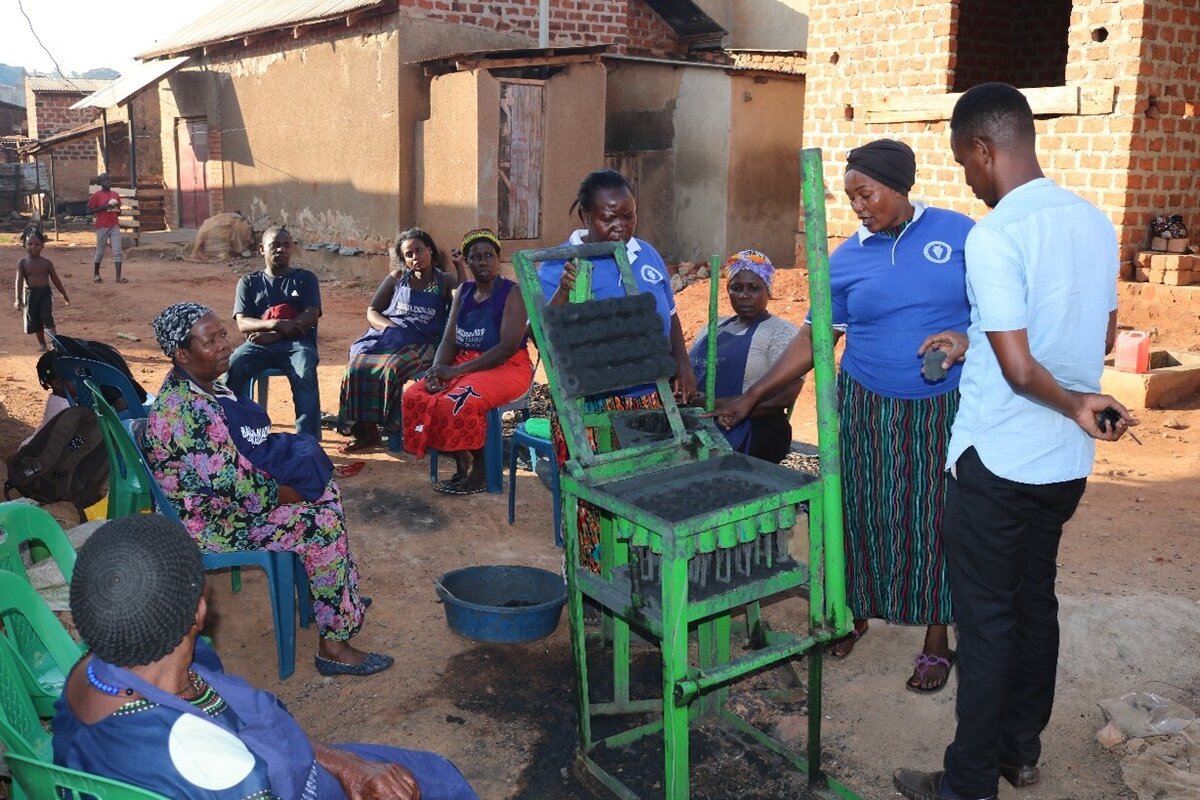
<point x="76" y="371"/>
<point x="128" y="480"/>
<point x="42" y="779"/>
<point x="20" y="729"/>
<point x="22" y="522"/>
<point x="44" y="652"/>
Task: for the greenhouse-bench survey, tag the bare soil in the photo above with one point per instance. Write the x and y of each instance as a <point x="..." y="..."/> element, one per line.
<point x="1129" y="583"/>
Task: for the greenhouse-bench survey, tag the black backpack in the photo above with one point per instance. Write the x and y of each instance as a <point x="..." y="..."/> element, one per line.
<point x="65" y="460"/>
<point x="99" y="351"/>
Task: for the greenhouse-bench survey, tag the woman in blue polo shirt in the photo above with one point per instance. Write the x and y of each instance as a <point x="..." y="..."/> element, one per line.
<point x="608" y="211"/>
<point x="899" y="290"/>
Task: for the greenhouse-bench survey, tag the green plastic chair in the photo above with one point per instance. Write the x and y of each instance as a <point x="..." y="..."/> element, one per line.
<point x="21" y="523"/>
<point x="44" y="654"/>
<point x="20" y="729"/>
<point x="42" y="779"/>
<point x="128" y="483"/>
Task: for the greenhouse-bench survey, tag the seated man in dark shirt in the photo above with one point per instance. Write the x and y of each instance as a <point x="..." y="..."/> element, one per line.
<point x="277" y="310"/>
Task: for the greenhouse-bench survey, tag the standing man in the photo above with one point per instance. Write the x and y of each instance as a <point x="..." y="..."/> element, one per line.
<point x="1041" y="279"/>
<point x="277" y="309"/>
<point x="105" y="204"/>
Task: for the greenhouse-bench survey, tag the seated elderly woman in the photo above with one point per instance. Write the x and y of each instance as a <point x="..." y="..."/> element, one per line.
<point x="151" y="704"/>
<point x="407" y="316"/>
<point x="481" y="363"/>
<point x="748" y="344"/>
<point x="237" y="486"/>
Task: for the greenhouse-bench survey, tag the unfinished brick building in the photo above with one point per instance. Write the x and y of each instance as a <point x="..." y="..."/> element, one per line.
<point x="48" y="102"/>
<point x="1115" y="85"/>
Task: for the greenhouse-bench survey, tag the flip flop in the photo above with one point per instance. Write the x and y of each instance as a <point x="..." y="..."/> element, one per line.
<point x="376" y="662"/>
<point x="357" y="446"/>
<point x="97" y="279"/>
<point x="852" y="638"/>
<point x="450" y="483"/>
<point x="122" y="280"/>
<point x="349" y="470"/>
<point x="924" y="663"/>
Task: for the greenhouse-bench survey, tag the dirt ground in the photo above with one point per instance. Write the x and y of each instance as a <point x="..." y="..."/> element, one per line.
<point x="1129" y="585"/>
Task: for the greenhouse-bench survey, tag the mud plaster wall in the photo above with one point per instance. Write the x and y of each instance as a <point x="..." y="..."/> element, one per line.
<point x="460" y="143"/>
<point x="906" y="49"/>
<point x="311" y="139"/>
<point x="702" y="157"/>
<point x="766" y="121"/>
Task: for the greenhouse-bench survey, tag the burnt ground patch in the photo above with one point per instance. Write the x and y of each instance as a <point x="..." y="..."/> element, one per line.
<point x="534" y="687"/>
<point x="379" y="505"/>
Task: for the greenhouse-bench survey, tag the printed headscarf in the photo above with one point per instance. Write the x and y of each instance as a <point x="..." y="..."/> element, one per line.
<point x="890" y="162"/>
<point x="753" y="261"/>
<point x="172" y="326"/>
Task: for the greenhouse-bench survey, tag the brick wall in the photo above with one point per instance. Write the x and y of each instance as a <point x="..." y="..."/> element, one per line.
<point x="1165" y="138"/>
<point x="913" y="52"/>
<point x="630" y="24"/>
<point x="50" y="112"/>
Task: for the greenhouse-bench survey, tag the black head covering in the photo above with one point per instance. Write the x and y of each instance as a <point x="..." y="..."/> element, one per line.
<point x="890" y="162"/>
<point x="136" y="587"/>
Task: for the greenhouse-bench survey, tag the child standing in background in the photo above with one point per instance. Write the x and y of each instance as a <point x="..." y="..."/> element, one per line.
<point x="34" y="274"/>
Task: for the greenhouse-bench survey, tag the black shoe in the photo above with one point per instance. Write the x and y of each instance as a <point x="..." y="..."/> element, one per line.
<point x="922" y="785"/>
<point x="1020" y="775"/>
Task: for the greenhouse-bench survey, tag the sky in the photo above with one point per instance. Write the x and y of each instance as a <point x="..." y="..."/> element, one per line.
<point x="83" y="34"/>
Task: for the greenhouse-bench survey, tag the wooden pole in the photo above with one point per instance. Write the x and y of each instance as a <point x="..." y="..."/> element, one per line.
<point x="53" y="197"/>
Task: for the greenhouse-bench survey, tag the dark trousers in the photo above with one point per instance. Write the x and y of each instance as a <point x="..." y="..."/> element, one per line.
<point x="1001" y="539"/>
<point x="295" y="358"/>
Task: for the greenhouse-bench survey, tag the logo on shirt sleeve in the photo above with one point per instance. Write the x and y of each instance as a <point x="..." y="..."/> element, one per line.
<point x="650" y="274"/>
<point x="938" y="252"/>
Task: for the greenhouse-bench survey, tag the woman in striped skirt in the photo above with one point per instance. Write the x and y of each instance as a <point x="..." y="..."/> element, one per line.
<point x="899" y="292"/>
<point x="407" y="316"/>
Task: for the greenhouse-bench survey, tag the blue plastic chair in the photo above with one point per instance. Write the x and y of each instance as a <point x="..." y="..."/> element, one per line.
<point x="536" y="446"/>
<point x="287" y="581"/>
<point x="77" y="371"/>
<point x="258" y="384"/>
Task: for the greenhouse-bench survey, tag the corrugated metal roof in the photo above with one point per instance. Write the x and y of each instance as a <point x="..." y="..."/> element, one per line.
<point x="62" y="137"/>
<point x="687" y="18"/>
<point x="49" y="83"/>
<point x="238" y="18"/>
<point x="129" y="84"/>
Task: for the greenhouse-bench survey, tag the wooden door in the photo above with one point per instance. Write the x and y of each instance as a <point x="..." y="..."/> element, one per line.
<point x="519" y="206"/>
<point x="191" y="137"/>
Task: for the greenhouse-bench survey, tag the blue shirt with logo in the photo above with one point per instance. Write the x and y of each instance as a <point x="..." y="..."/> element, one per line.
<point x="889" y="294"/>
<point x="649" y="272"/>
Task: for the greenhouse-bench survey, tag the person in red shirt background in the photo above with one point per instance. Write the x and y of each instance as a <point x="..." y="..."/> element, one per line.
<point x="106" y="205"/>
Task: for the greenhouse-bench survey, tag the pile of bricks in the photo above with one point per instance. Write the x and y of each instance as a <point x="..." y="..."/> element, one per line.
<point x="1169" y="269"/>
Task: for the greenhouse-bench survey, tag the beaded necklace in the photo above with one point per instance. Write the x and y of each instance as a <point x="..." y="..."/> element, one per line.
<point x="203" y="696"/>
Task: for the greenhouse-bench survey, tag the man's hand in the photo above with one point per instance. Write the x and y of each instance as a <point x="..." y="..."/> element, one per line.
<point x="952" y="343"/>
<point x="1092" y="404"/>
<point x="18" y="305"/>
<point x="287" y="328"/>
<point x="731" y="410"/>
<point x="264" y="337"/>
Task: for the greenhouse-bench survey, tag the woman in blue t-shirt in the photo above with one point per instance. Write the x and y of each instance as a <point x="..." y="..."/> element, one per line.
<point x="608" y="211"/>
<point x="899" y="291"/>
<point x="481" y="363"/>
<point x="407" y="316"/>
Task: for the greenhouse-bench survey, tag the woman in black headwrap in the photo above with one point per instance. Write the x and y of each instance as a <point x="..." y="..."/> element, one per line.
<point x="899" y="291"/>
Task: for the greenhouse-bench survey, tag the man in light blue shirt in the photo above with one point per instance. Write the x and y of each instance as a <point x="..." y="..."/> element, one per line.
<point x="1041" y="279"/>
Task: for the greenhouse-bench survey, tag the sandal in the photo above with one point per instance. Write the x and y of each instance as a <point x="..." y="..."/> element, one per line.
<point x="459" y="488"/>
<point x="349" y="470"/>
<point x="850" y="639"/>
<point x="122" y="280"/>
<point x="450" y="483"/>
<point x="97" y="279"/>
<point x="924" y="664"/>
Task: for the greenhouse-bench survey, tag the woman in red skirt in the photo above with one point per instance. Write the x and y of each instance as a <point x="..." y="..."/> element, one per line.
<point x="481" y="363"/>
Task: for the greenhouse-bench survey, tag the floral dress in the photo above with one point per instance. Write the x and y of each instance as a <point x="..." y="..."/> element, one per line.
<point x="227" y="504"/>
